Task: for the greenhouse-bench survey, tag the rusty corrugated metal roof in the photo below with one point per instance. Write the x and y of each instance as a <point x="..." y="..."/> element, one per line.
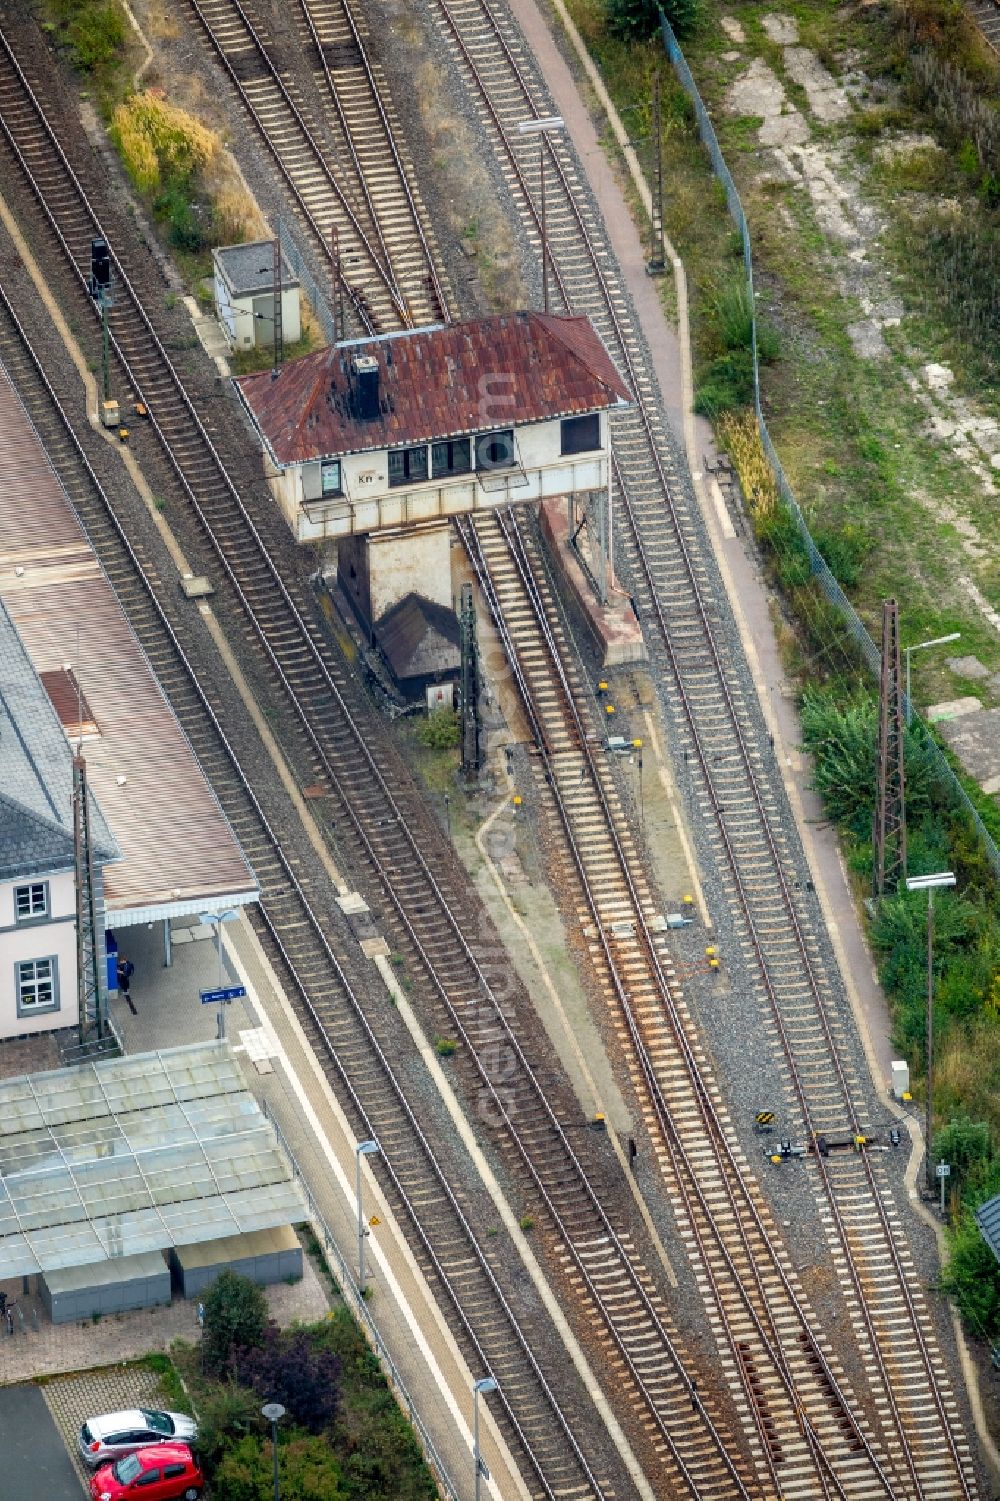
<point x="176" y="842"/>
<point x="436" y="383"/>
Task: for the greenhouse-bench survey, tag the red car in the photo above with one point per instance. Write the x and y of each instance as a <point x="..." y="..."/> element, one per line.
<point x="165" y="1472"/>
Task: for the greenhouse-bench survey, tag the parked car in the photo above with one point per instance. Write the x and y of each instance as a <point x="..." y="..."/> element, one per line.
<point x="114" y="1434"/>
<point x="164" y="1472"/>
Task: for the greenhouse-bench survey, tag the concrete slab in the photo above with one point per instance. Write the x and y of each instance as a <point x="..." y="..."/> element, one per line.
<point x="953" y="708"/>
<point x="967" y="667"/>
<point x="975" y="739"/>
<point x="35" y="1459"/>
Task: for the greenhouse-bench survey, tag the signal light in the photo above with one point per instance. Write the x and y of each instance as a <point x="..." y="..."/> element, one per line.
<point x="100" y="267"/>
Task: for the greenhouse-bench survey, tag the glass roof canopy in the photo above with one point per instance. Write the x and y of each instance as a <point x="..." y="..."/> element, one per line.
<point x="125" y="1155"/>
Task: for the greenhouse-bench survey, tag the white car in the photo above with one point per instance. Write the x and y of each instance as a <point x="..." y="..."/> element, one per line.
<point x="113" y="1434"/>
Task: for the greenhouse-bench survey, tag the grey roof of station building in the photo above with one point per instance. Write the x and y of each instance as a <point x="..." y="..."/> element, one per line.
<point x="122" y="1156"/>
<point x="250" y="268"/>
<point x="988" y="1220"/>
<point x="36" y="773"/>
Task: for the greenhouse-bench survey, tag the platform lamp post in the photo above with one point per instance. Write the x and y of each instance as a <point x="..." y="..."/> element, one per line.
<point x="930" y="885"/>
<point x="542" y="127"/>
<point x="274" y="1412"/>
<point x="215" y="920"/>
<point x="479" y="1389"/>
<point x="919" y="646"/>
<point x="363" y="1149"/>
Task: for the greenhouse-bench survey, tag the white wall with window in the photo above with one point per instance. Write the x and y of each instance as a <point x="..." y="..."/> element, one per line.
<point x="37" y="954"/>
<point x="361" y="493"/>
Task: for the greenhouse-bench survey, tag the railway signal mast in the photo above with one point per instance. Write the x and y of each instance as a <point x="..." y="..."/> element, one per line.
<point x="100" y="291"/>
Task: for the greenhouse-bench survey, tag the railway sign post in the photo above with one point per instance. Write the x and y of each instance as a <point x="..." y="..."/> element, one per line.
<point x="943" y="1171"/>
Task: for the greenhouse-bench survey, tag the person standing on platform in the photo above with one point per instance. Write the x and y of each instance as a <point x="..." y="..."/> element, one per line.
<point x="126" y="969"/>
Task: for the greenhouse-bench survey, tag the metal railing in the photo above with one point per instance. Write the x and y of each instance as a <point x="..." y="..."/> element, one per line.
<point x="867" y="649"/>
<point x="354" y="1298"/>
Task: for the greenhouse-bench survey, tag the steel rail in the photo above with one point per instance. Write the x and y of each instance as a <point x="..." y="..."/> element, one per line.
<point x="390" y="137"/>
<point x="690" y="715"/>
<point x="384" y="271"/>
<point x="686" y="1174"/>
<point x="273" y="927"/>
<point x="637" y="1290"/>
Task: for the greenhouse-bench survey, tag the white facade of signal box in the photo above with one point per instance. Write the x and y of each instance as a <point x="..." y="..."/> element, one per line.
<point x="368" y="503"/>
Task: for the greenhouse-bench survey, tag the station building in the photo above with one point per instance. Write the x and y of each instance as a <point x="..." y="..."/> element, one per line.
<point x="74" y="677"/>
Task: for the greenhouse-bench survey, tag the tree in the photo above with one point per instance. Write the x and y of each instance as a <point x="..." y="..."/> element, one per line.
<point x="638" y="20"/>
<point x="235" y="1317"/>
<point x="292" y="1369"/>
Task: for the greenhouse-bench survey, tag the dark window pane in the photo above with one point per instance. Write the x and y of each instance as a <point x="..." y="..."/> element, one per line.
<point x="169" y="1471"/>
<point x="495" y="450"/>
<point x="407" y="465"/>
<point x="581" y="434"/>
<point x="453" y="457"/>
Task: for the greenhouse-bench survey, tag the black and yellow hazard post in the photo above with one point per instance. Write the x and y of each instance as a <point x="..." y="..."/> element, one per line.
<point x="860" y="1142"/>
<point x="712" y="956"/>
<point x="602" y="687"/>
<point x="764" y="1120"/>
<point x="123" y="435"/>
<point x="598" y="1123"/>
<point x="516" y="800"/>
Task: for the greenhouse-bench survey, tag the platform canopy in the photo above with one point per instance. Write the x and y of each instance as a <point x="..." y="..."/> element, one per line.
<point x="126" y="1155"/>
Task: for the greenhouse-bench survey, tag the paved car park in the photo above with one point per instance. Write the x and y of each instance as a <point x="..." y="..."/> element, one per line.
<point x="35" y="1458"/>
<point x="70" y="1400"/>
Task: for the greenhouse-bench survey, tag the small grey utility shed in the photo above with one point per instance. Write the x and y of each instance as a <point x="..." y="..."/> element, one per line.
<point x="244" y="295"/>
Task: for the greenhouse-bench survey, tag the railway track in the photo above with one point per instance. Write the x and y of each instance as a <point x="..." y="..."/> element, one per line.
<point x="342" y="164"/>
<point x="796" y="1398"/>
<point x="690" y="1454"/>
<point x="735" y="793"/>
<point x="986" y="14"/>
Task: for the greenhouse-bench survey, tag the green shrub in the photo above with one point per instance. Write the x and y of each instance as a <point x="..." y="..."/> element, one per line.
<point x="226" y="1412"/>
<point x="726" y="384"/>
<point x="445" y="1046"/>
<point x="440" y="730"/>
<point x="96" y="36"/>
<point x="842" y="737"/>
<point x="307" y="1470"/>
<point x="972" y="1277"/>
<point x="235" y="1316"/>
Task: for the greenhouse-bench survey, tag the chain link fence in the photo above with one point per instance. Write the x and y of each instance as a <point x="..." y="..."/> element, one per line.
<point x="869" y="652"/>
<point x="293" y="255"/>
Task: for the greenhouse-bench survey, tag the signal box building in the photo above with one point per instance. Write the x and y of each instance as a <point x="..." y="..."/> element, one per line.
<point x="417" y="426"/>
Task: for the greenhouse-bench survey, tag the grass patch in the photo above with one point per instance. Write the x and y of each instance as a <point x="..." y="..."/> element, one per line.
<point x="93" y="36"/>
